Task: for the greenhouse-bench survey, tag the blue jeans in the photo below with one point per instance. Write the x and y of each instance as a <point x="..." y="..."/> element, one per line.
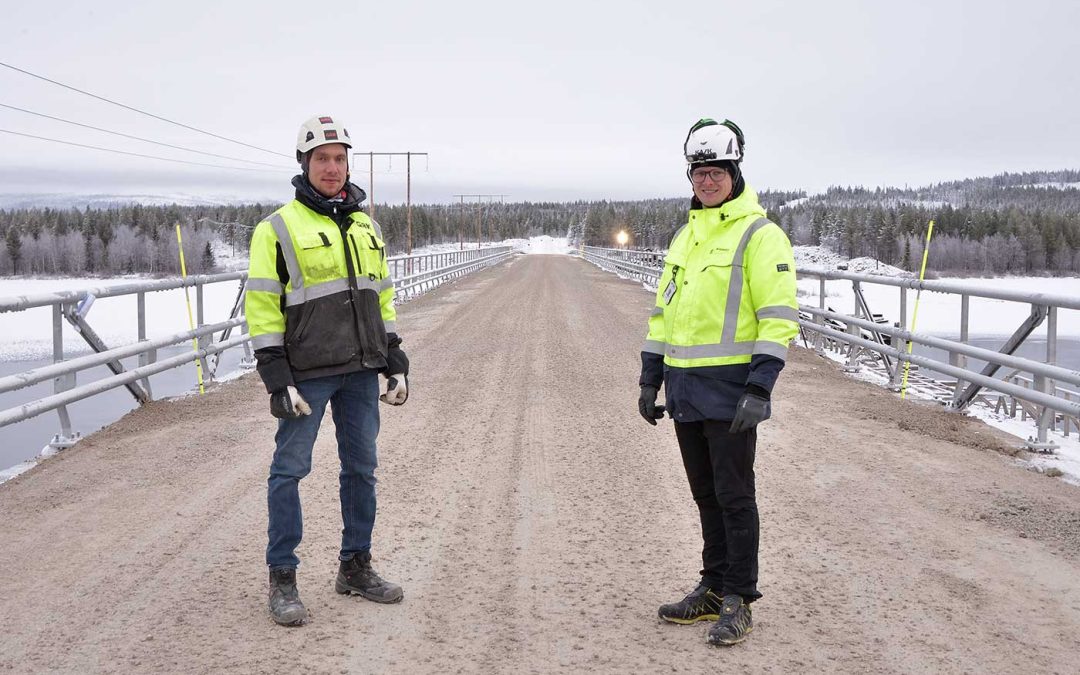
<point x="354" y="400"/>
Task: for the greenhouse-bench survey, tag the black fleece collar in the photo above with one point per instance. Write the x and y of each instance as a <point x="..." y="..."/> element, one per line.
<point x="311" y="198"/>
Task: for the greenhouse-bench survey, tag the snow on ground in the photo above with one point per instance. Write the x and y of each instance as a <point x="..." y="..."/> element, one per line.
<point x="821" y="258"/>
<point x="1065" y="458"/>
<point x="28" y="333"/>
<point x="939" y="315"/>
<point x="543" y="245"/>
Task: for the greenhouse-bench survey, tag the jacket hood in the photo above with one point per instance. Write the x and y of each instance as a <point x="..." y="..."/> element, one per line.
<point x="307" y="195"/>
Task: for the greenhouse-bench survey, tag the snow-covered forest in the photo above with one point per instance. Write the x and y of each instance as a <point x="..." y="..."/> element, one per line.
<point x="1009" y="224"/>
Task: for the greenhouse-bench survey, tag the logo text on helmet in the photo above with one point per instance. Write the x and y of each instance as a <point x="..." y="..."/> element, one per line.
<point x="330" y="135"/>
<point x="326" y="120"/>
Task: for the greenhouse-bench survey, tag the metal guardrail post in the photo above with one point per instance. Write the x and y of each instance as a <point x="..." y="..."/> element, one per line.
<point x="900" y="343"/>
<point x="144" y="358"/>
<point x="199" y="323"/>
<point x="819" y="338"/>
<point x="66" y="438"/>
<point x="955" y="358"/>
<point x="852" y="364"/>
<point x="1046" y="416"/>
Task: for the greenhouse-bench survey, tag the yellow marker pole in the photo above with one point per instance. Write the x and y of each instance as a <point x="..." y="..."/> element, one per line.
<point x="191" y="321"/>
<point x="915" y="313"/>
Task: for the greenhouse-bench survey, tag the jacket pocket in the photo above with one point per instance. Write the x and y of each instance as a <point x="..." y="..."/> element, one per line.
<point x="370" y="327"/>
<point x="323" y="335"/>
<point x="370" y="253"/>
<point x="318" y="256"/>
<point x="718" y="258"/>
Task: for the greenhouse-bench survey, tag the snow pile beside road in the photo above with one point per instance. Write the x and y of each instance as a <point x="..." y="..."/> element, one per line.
<point x="866" y="265"/>
<point x="817" y="257"/>
<point x="543" y="245"/>
<point x="821" y="258"/>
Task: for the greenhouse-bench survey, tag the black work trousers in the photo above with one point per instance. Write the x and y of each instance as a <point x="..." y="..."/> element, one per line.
<point x="720" y="467"/>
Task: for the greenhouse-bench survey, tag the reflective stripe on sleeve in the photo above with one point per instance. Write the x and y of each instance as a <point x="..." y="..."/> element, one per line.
<point x="654" y="347"/>
<point x="778" y="312"/>
<point x="771" y="349"/>
<point x="268" y="340"/>
<point x="267" y="285"/>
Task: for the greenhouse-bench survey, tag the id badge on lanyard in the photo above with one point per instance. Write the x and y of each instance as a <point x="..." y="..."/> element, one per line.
<point x="669" y="292"/>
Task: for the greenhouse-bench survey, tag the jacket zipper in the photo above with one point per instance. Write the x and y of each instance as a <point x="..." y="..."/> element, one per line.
<point x="343" y="227"/>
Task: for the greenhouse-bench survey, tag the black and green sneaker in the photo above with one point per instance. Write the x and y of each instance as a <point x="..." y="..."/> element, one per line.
<point x="734" y="624"/>
<point x="701" y="605"/>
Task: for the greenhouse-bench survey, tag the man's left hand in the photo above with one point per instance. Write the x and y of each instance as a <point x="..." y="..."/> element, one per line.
<point x="397" y="389"/>
<point x="752" y="409"/>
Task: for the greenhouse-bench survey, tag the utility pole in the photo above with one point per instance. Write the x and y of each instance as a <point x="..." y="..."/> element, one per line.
<point x="479" y="214"/>
<point x="408" y="187"/>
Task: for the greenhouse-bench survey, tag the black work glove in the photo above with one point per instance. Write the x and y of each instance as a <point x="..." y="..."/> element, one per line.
<point x="396" y="361"/>
<point x="287" y="403"/>
<point x="752" y="409"/>
<point x="646" y="404"/>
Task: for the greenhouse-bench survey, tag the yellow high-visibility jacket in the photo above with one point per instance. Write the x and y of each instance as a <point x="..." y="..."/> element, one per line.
<point x="320" y="300"/>
<point x="725" y="310"/>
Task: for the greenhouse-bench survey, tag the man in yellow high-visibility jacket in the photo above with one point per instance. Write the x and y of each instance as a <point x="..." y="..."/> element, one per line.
<point x="320" y="311"/>
<point x="718" y="336"/>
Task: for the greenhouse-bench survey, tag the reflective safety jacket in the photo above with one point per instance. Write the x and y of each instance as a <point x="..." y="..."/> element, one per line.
<point x="725" y="310"/>
<point x="320" y="300"/>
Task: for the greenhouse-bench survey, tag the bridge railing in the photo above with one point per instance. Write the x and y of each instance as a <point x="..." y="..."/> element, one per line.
<point x="413" y="275"/>
<point x="418" y="274"/>
<point x="1036" y="387"/>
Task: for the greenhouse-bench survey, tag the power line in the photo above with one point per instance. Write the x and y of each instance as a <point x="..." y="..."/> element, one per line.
<point x="137" y="138"/>
<point x="136" y="154"/>
<point x="141" y="112"/>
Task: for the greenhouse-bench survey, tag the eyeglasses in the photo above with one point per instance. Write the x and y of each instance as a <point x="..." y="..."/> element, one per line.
<point x="716" y="175"/>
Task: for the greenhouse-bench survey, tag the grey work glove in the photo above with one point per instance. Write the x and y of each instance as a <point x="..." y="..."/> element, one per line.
<point x="752" y="409"/>
<point x="287" y="403"/>
<point x="397" y="389"/>
<point x="647" y="404"/>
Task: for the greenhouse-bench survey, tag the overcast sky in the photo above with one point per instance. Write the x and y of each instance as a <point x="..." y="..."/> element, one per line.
<point x="551" y="100"/>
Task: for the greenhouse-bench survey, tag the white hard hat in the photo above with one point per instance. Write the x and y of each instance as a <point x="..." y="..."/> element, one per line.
<point x="318" y="131"/>
<point x="709" y="141"/>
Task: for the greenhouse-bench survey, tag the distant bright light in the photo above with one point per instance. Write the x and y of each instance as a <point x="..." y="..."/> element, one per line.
<point x="622" y="238"/>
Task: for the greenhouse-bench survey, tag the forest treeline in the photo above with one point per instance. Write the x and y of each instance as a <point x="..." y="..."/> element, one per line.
<point x="1025" y="223"/>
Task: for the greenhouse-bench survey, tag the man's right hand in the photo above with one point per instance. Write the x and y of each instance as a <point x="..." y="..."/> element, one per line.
<point x="647" y="404"/>
<point x="287" y="403"/>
